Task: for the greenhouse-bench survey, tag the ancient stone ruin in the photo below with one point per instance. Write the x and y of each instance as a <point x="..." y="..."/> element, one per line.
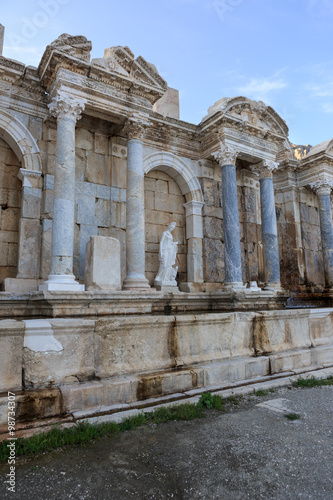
<point x="95" y="166"/>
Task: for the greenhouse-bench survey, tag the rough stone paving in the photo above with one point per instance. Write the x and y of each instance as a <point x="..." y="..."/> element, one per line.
<point x="95" y="164"/>
<point x="248" y="452"/>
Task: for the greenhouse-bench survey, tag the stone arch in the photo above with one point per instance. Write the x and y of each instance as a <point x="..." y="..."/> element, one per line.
<point x="18" y="137"/>
<point x="178" y="170"/>
<point x="190" y="188"/>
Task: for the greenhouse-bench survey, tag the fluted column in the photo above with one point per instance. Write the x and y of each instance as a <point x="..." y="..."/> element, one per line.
<point x="135" y="204"/>
<point x="323" y="188"/>
<point x="67" y="109"/>
<point x="232" y="249"/>
<point x="265" y="170"/>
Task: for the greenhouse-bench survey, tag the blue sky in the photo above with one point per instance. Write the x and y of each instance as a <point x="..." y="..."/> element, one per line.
<point x="278" y="51"/>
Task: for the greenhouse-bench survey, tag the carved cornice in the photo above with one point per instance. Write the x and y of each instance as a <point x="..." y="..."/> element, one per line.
<point x="64" y="105"/>
<point x="225" y="155"/>
<point x="136" y="126"/>
<point x="322" y="186"/>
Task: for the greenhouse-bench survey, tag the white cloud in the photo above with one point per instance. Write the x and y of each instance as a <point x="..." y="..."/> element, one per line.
<point x="327" y="107"/>
<point x="256" y="86"/>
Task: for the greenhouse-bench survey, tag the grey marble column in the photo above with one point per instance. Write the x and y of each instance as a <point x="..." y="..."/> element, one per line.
<point x="268" y="224"/>
<point x="233" y="263"/>
<point x="67" y="110"/>
<point x="135" y="204"/>
<point x="323" y="189"/>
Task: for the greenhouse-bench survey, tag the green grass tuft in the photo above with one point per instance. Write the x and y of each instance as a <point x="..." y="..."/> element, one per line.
<point x="312" y="382"/>
<point x="292" y="416"/>
<point x="261" y="392"/>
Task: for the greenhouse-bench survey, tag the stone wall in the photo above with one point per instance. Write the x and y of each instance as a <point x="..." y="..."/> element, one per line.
<point x="10" y="203"/>
<point x="213" y="248"/>
<point x="163" y="205"/>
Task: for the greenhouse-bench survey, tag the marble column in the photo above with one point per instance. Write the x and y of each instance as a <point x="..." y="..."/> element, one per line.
<point x="135" y="128"/>
<point x="226" y="157"/>
<point x="323" y="188"/>
<point x="67" y="109"/>
<point x="268" y="223"/>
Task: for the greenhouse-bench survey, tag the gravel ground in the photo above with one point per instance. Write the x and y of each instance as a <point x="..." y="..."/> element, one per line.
<point x="249" y="452"/>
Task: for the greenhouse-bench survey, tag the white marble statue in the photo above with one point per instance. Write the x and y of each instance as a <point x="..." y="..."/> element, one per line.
<point x="166" y="275"/>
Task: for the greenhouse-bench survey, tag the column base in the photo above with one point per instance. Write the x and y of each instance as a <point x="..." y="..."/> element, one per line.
<point x="273" y="287"/>
<point x="61" y="282"/>
<point x="140" y="283"/>
<point x="235" y="286"/>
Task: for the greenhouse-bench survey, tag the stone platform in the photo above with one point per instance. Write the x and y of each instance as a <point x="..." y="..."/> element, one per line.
<point x="83" y="351"/>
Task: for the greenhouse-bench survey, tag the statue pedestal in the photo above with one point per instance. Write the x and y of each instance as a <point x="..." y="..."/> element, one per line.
<point x="166" y="286"/>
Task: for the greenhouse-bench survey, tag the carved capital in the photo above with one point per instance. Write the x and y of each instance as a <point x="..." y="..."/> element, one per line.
<point x="322" y="186"/>
<point x="265" y="168"/>
<point x="64" y="105"/>
<point x="193" y="207"/>
<point x="136" y="126"/>
<point x="225" y="155"/>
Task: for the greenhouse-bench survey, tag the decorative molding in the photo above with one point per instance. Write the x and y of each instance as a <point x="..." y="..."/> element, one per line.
<point x="225" y="155"/>
<point x="322" y="186"/>
<point x="136" y="126"/>
<point x="65" y="105"/>
<point x="193" y="207"/>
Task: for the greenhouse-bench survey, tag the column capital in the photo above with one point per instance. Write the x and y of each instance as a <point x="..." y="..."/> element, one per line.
<point x="136" y="126"/>
<point x="226" y="155"/>
<point x="322" y="186"/>
<point x="65" y="105"/>
<point x="28" y="177"/>
<point x="264" y="168"/>
<point x="193" y="207"/>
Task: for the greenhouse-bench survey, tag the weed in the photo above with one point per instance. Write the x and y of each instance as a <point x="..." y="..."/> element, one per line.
<point x="209" y="401"/>
<point x="262" y="392"/>
<point x="292" y="416"/>
<point x="233" y="400"/>
<point x="312" y="382"/>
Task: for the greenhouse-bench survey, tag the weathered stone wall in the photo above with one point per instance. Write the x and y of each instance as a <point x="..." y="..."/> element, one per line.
<point x="100" y="193"/>
<point x="10" y="203"/>
<point x="250" y="226"/>
<point x="213" y="248"/>
<point x="164" y="203"/>
<point x="301" y="258"/>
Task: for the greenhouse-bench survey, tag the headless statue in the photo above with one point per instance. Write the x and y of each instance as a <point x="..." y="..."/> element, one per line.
<point x="167" y="255"/>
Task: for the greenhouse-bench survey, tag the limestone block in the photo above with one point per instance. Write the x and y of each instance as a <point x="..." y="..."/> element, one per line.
<point x="321" y="326"/>
<point x="29" y="248"/>
<point x="209" y="211"/>
<point x="86" y="210"/>
<point x="12" y="254"/>
<point x="3" y="254"/>
<point x="168" y="104"/>
<point x="322" y="355"/>
<point x="84" y="139"/>
<point x="103" y="268"/>
<point x="82" y="396"/>
<point x="118" y="176"/>
<point x="159" y="218"/>
<point x="11" y="352"/>
<point x="213" y="260"/>
<point x="149" y="200"/>
<point x="84" y="236"/>
<point x="31" y="203"/>
<point x="211" y="192"/>
<point x="275" y="331"/>
<point x="162" y="186"/>
<point x="133" y="344"/>
<point x="9" y="219"/>
<point x="257" y="367"/>
<point x="169" y="203"/>
<point x="63" y="351"/>
<point x="101" y="143"/>
<point x="98" y="170"/>
<point x="224" y="372"/>
<point x="46" y="248"/>
<point x="102" y="212"/>
<point x="18" y="286"/>
<point x="118" y="215"/>
<point x="212" y="228"/>
<point x="288" y="361"/>
<point x="35" y="126"/>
